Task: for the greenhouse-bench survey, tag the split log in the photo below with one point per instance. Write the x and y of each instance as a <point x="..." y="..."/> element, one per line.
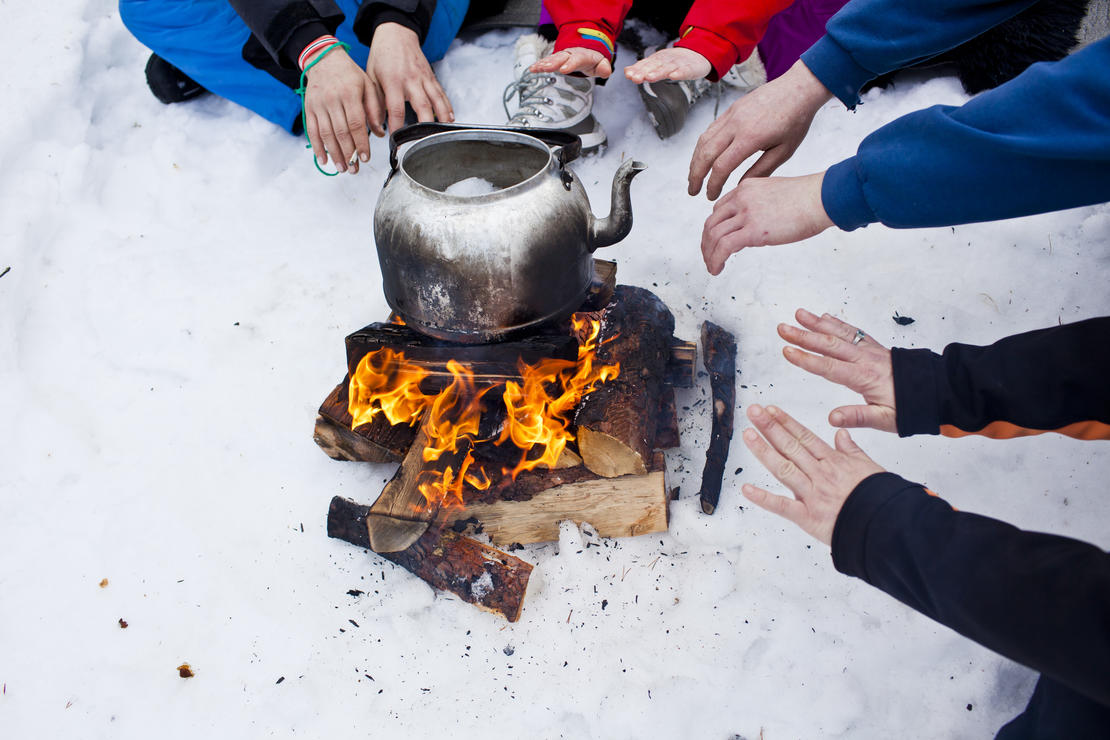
<point x="491" y="363"/>
<point x="401" y="514"/>
<point x="601" y="290"/>
<point x="476" y="573"/>
<point x="614" y="437"/>
<point x="376" y="442"/>
<point x="530" y="508"/>
<point x="719" y="348"/>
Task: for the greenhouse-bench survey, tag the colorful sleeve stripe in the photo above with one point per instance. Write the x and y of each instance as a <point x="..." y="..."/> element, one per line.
<point x="596" y="35"/>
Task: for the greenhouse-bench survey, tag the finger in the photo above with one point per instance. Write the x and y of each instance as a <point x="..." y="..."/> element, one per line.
<point x="788" y="508"/>
<point x="394" y="106"/>
<point x="809" y="441"/>
<point x="726" y="246"/>
<point x="784" y="470"/>
<point x="767" y="163"/>
<point x="826" y="324"/>
<point x="331" y="144"/>
<point x="724" y="166"/>
<point x="374" y="106"/>
<point x="344" y="133"/>
<point x="785" y="443"/>
<point x="357" y="124"/>
<point x="871" y="416"/>
<point x="848" y="446"/>
<point x="420" y="103"/>
<point x="819" y="342"/>
<point x="440" y="103"/>
<point x="835" y="371"/>
<point x="312" y="129"/>
<point x="550" y="63"/>
<point x="603" y="69"/>
<point x="710" y="145"/>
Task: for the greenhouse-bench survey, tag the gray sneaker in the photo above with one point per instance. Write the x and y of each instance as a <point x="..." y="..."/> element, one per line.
<point x="549" y="100"/>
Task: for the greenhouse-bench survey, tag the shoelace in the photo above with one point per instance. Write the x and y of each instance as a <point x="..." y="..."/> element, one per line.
<point x="528" y="88"/>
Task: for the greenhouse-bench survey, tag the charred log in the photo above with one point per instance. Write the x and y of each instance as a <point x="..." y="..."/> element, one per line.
<point x="719" y="348"/>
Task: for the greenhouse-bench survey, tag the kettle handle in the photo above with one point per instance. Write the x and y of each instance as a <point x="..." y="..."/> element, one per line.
<point x="566" y="147"/>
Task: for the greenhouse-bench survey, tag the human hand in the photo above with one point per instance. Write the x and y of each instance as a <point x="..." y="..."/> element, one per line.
<point x="401" y="70"/>
<point x="340" y="101"/>
<point x="575" y="59"/>
<point x="773" y="119"/>
<point x="763" y="211"/>
<point x="820" y="477"/>
<point x="862" y="366"/>
<point x="669" y="64"/>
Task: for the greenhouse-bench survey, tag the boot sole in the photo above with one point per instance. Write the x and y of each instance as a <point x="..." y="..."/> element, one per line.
<point x="666" y="121"/>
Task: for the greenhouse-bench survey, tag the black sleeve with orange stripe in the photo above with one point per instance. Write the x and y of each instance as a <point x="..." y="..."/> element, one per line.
<point x="1039" y="599"/>
<point x="1055" y="379"/>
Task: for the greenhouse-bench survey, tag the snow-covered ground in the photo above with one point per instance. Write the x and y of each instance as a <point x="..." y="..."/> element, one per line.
<point x="181" y="282"/>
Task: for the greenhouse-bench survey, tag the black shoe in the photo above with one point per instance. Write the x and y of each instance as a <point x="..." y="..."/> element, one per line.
<point x="168" y="83"/>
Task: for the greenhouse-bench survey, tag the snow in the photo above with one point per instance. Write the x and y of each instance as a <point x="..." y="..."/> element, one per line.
<point x="181" y="282"/>
<point x="471" y="187"/>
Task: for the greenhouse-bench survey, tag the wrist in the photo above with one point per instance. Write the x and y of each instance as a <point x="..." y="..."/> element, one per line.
<point x="810" y="91"/>
<point x="314" y="49"/>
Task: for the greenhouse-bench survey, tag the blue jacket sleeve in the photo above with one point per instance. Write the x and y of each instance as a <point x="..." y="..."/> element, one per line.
<point x="1039" y="143"/>
<point x="868" y="38"/>
<point x="1039" y="599"/>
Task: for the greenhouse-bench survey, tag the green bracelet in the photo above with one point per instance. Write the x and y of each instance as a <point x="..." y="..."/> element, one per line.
<point x="301" y="90"/>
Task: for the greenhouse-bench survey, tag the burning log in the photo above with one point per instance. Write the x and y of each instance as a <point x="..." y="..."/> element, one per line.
<point x="719" y="350"/>
<point x="614" y="438"/>
<point x="376" y="442"/>
<point x="490" y="363"/>
<point x="530" y="508"/>
<point x="476" y="573"/>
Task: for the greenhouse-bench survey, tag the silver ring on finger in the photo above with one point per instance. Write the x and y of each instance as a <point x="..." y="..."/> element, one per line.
<point x="858" y="337"/>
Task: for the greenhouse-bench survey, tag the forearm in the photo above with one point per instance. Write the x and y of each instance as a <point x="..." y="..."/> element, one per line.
<point x="868" y="38"/>
<point x="1003" y="154"/>
<point x="1041" y="600"/>
<point x="1045" y="380"/>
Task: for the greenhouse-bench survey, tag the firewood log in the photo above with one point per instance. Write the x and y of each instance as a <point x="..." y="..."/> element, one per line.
<point x="476" y="573"/>
<point x="376" y="442"/>
<point x="666" y="421"/>
<point x="615" y="435"/>
<point x="719" y="352"/>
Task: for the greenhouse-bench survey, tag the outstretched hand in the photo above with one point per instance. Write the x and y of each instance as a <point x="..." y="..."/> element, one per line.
<point x="669" y="64"/>
<point x="399" y="68"/>
<point x="575" y="59"/>
<point x="760" y="212"/>
<point x="863" y="367"/>
<point x="774" y="119"/>
<point x="820" y="477"/>
<point x="340" y="102"/>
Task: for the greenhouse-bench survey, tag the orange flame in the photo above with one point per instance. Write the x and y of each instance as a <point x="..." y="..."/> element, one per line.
<point x="538" y="419"/>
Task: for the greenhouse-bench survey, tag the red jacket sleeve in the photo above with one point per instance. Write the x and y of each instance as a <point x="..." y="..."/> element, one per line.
<point x="726" y="32"/>
<point x="591" y="25"/>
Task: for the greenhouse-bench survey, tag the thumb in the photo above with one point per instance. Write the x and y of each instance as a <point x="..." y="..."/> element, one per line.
<point x="867" y="416"/>
<point x="846" y="444"/>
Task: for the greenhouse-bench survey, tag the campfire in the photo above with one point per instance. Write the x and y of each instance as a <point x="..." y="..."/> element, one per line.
<point x="506" y="440"/>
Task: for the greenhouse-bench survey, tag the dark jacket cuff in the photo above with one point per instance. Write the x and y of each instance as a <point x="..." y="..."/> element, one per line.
<point x="918" y="374"/>
<point x="849" y="539"/>
<point x="301" y="38"/>
<point x="412" y="14"/>
<point x="843" y="198"/>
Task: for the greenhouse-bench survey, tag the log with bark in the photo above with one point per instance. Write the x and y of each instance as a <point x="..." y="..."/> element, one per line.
<point x="615" y="436"/>
<point x="476" y="573"/>
<point x="376" y="442"/>
<point x="719" y="354"/>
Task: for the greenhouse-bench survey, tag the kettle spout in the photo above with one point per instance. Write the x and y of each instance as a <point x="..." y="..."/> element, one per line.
<point x="615" y="226"/>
